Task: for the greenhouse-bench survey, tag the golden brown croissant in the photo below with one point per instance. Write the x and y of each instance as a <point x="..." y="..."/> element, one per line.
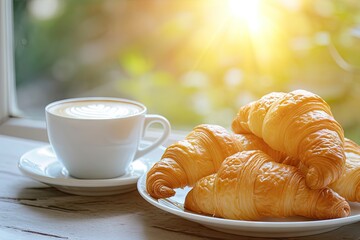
<point x="348" y="185"/>
<point x="199" y="154"/>
<point x="250" y="186"/>
<point x="300" y="124"/>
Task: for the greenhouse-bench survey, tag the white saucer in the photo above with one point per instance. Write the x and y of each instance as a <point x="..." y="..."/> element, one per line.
<point x="284" y="227"/>
<point x="42" y="165"/>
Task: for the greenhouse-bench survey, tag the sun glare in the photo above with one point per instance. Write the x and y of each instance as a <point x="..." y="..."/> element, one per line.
<point x="249" y="27"/>
<point x="247" y="11"/>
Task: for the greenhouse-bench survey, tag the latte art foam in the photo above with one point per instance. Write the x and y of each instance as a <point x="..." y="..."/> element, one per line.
<point x="98" y="111"/>
<point x="95" y="109"/>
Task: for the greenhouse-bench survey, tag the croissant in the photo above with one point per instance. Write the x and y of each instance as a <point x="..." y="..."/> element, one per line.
<point x="250" y="186"/>
<point x="198" y="155"/>
<point x="348" y="185"/>
<point x="300" y="124"/>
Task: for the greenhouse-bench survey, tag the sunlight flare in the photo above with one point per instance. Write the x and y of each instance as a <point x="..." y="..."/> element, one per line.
<point x="246" y="11"/>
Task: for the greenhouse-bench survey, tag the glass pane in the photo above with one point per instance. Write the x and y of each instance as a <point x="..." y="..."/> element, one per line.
<point x="191" y="61"/>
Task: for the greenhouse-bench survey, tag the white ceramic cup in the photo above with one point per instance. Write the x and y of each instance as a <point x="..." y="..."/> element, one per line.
<point x="98" y="138"/>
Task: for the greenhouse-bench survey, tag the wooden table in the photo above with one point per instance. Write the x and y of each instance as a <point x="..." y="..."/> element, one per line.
<point x="32" y="210"/>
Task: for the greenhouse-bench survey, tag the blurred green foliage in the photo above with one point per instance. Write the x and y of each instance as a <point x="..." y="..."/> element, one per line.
<point x="191" y="61"/>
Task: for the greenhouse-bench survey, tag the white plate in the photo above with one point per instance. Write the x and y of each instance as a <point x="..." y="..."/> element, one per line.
<point x="42" y="165"/>
<point x="291" y="227"/>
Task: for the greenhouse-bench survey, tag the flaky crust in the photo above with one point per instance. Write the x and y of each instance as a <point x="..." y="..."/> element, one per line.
<point x="250" y="186"/>
<point x="199" y="154"/>
<point x="300" y="124"/>
<point x="348" y="185"/>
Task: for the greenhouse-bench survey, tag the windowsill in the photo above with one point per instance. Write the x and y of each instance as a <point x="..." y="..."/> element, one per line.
<point x="25" y="128"/>
<point x="36" y="130"/>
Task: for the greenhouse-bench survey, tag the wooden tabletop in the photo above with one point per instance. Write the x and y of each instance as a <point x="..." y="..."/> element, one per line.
<point x="32" y="210"/>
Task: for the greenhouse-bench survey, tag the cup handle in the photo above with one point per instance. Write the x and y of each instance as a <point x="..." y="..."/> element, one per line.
<point x="150" y="119"/>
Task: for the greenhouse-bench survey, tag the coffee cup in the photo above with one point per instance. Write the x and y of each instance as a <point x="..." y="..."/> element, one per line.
<point x="98" y="137"/>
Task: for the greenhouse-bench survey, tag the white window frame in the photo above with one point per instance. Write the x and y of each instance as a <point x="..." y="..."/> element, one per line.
<point x="11" y="123"/>
<point x="4" y="55"/>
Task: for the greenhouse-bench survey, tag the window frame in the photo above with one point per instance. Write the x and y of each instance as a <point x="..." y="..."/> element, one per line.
<point x="10" y="122"/>
<point x="4" y="71"/>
